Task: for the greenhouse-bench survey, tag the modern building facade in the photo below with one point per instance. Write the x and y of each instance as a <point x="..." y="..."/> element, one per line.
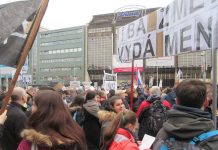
<point x="195" y="65"/>
<point x="192" y="65"/>
<point x="162" y="68"/>
<point x="59" y="56"/>
<point x="99" y="46"/>
<point x="102" y="38"/>
<point x="6" y="74"/>
<point x="33" y="59"/>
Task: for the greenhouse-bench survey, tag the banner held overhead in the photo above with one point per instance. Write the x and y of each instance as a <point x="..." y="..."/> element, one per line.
<point x="182" y="26"/>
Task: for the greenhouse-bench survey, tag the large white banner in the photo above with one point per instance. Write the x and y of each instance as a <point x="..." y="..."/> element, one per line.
<point x="182" y="26"/>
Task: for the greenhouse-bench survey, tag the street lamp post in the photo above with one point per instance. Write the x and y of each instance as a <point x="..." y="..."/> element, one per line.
<point x="74" y="73"/>
<point x="214" y="66"/>
<point x="203" y="65"/>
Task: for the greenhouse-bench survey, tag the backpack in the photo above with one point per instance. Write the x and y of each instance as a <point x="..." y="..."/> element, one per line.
<point x="151" y="119"/>
<point x="195" y="144"/>
<point x="79" y="117"/>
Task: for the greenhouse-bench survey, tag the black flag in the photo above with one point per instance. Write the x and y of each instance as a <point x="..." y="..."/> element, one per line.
<point x="16" y="20"/>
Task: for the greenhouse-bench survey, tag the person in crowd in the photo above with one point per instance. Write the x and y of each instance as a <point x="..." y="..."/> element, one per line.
<point x="31" y="93"/>
<point x="154" y="94"/>
<point x="165" y="91"/>
<point x="72" y="94"/>
<point x="146" y="90"/>
<point x="112" y="106"/>
<point x="170" y="98"/>
<point x="187" y="120"/>
<point x="51" y="126"/>
<point x="135" y="97"/>
<point x="65" y="96"/>
<point x="122" y="94"/>
<point x="119" y="135"/>
<point x="142" y="91"/>
<point x="152" y="113"/>
<point x="3" y="118"/>
<point x="111" y="93"/>
<point x="76" y="109"/>
<point x="140" y="98"/>
<point x="91" y="125"/>
<point x="62" y="90"/>
<point x="80" y="91"/>
<point x="16" y="120"/>
<point x="102" y="96"/>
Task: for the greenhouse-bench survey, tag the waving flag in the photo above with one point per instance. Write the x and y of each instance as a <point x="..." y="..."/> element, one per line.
<point x="138" y="78"/>
<point x="179" y="74"/>
<point x="19" y="24"/>
<point x="16" y="20"/>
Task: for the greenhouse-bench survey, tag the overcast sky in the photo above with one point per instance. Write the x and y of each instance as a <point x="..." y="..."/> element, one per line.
<point x="70" y="13"/>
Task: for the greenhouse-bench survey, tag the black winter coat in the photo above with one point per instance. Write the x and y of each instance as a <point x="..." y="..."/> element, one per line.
<point x="15" y="123"/>
<point x="1" y="130"/>
<point x="91" y="125"/>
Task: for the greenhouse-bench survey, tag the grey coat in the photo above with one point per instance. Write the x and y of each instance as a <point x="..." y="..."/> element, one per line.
<point x="185" y="123"/>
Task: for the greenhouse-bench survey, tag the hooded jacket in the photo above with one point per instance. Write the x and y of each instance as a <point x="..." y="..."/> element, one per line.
<point x="43" y="142"/>
<point x="1" y="130"/>
<point x="14" y="124"/>
<point x="92" y="107"/>
<point x="123" y="140"/>
<point x="185" y="123"/>
<point x="105" y="117"/>
<point x="148" y="102"/>
<point x="91" y="125"/>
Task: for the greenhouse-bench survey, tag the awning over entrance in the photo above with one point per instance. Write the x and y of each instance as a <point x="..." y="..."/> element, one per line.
<point x="127" y="69"/>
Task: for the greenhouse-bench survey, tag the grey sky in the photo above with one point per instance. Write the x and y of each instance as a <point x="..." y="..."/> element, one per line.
<point x="70" y="13"/>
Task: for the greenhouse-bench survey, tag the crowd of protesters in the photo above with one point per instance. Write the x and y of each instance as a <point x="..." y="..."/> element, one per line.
<point x="52" y="118"/>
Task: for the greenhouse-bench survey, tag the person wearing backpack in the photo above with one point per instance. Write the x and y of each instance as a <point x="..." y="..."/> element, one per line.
<point x="151" y="114"/>
<point x="188" y="126"/>
<point x="76" y="109"/>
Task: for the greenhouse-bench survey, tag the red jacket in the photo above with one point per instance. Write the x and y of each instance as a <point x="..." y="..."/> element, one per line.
<point x="123" y="140"/>
<point x="145" y="104"/>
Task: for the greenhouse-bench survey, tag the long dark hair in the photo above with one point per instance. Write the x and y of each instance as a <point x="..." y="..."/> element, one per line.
<point x="120" y="121"/>
<point x="78" y="101"/>
<point x="52" y="118"/>
<point x="109" y="103"/>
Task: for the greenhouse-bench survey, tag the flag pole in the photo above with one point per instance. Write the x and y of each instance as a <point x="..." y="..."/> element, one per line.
<point x="132" y="82"/>
<point x="28" y="44"/>
<point x="214" y="67"/>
